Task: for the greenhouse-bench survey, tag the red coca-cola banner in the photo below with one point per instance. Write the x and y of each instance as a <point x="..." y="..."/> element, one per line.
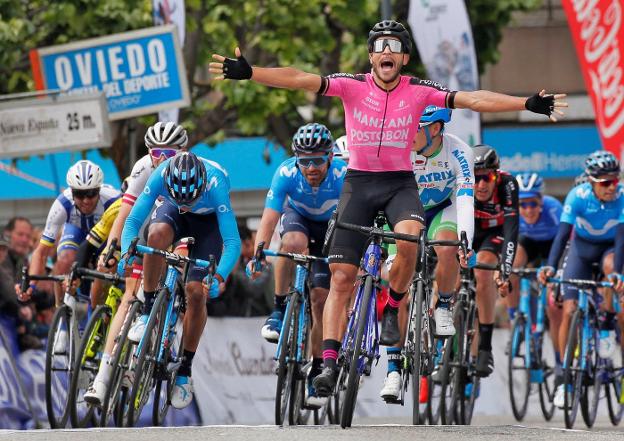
<point x="598" y="31"/>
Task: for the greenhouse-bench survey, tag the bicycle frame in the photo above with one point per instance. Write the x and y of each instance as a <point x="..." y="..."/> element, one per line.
<point x="371" y="265"/>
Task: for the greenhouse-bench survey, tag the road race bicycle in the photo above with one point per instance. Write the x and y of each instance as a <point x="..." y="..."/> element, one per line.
<point x="460" y="382"/>
<point x="64" y="339"/>
<point x="421" y="346"/>
<point x="293" y="353"/>
<point x="527" y="364"/>
<point x="584" y="371"/>
<point x="90" y="350"/>
<point x="159" y="353"/>
<point x="360" y="345"/>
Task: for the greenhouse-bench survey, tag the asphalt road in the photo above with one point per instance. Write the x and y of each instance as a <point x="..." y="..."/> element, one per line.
<point x="485" y="429"/>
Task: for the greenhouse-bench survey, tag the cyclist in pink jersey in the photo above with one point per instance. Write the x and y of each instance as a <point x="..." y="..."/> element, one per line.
<point x="382" y="111"/>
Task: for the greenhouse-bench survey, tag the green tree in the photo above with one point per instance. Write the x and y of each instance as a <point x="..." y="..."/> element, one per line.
<point x="322" y="36"/>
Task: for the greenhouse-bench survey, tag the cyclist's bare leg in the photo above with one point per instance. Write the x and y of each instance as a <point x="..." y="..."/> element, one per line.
<point x="160" y="236"/>
<point x="447" y="270"/>
<point x="64" y="262"/>
<point x="132" y="285"/>
<point x="555" y="316"/>
<point x="521" y="259"/>
<point x="404" y="264"/>
<point x="292" y="242"/>
<point x="318" y="297"/>
<point x="195" y="317"/>
<point x="569" y="307"/>
<point x="486" y="287"/>
<point x="338" y="301"/>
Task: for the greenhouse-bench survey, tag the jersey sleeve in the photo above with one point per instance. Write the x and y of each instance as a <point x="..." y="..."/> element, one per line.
<point x="570" y="207"/>
<point x="99" y="233"/>
<point x="57" y="217"/>
<point x="279" y="188"/>
<point x="339" y="84"/>
<point x="141" y="209"/>
<point x="229" y="231"/>
<point x="434" y="93"/>
<point x="511" y="225"/>
<point x="463" y="161"/>
<point x="136" y="182"/>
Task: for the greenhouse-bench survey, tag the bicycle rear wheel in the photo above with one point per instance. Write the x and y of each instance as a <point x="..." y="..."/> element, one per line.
<point x="355" y="372"/>
<point x="166" y="373"/>
<point x="468" y="394"/>
<point x="452" y="370"/>
<point x="416" y="336"/>
<point x="613" y="391"/>
<point x="547" y="386"/>
<point x="86" y="366"/>
<point x="58" y="366"/>
<point x="434" y="396"/>
<point x="284" y="361"/>
<point x="518" y="373"/>
<point x="572" y="371"/>
<point x="146" y="362"/>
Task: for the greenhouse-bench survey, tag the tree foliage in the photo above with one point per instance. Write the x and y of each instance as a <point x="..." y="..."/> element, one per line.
<point x="321" y="36"/>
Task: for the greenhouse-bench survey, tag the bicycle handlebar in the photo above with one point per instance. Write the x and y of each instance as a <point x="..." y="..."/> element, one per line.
<point x="175" y="259"/>
<point x="580" y="283"/>
<point x="376" y="231"/>
<point x="299" y="258"/>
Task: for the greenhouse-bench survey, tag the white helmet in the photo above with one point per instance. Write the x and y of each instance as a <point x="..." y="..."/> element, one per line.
<point x="84" y="175"/>
<point x="167" y="134"/>
<point x="341" y="150"/>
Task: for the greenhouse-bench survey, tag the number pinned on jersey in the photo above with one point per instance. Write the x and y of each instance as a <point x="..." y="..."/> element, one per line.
<point x="419" y="162"/>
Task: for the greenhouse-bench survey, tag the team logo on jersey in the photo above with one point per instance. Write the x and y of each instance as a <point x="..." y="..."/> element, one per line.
<point x="213" y="181"/>
<point x="288" y="172"/>
<point x="340" y="172"/>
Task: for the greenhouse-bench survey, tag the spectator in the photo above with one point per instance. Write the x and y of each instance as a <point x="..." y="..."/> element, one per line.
<point x="19" y="233"/>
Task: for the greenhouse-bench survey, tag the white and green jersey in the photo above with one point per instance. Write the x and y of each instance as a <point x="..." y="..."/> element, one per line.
<point x="448" y="177"/>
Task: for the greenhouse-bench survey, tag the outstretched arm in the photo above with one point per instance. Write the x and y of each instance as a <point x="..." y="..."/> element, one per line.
<point x="486" y="101"/>
<point x="282" y="77"/>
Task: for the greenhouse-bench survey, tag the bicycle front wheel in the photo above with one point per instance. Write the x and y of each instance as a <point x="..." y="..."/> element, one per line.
<point x="146" y="362"/>
<point x="58" y="367"/>
<point x="592" y="381"/>
<point x="87" y="364"/>
<point x="518" y="372"/>
<point x="613" y="391"/>
<point x="572" y="370"/>
<point x="416" y="364"/>
<point x="286" y="356"/>
<point x="547" y="386"/>
<point x="355" y="370"/>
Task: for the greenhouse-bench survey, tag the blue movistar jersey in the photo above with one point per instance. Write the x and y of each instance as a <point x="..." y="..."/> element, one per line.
<point x="593" y="219"/>
<point x="314" y="203"/>
<point x="547" y="224"/>
<point x="215" y="199"/>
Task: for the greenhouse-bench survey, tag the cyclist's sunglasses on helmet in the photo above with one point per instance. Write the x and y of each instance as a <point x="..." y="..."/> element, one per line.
<point x="489" y="177"/>
<point x="84" y="194"/>
<point x="380" y="44"/>
<point x="529" y="204"/>
<point x="309" y="161"/>
<point x="157" y="152"/>
<point x="605" y="182"/>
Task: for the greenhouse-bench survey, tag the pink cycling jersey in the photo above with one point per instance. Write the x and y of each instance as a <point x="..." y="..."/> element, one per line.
<point x="381" y="125"/>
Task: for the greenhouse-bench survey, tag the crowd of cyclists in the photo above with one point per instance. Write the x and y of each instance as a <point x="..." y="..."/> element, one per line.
<point x="397" y="157"/>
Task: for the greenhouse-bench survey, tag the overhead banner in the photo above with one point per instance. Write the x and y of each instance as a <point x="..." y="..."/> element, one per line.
<point x="140" y="72"/>
<point x="170" y="12"/>
<point x="54" y="123"/>
<point x="442" y="32"/>
<point x="598" y="31"/>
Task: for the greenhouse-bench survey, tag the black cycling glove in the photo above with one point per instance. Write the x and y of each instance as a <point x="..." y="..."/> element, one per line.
<point x="236" y="69"/>
<point x="541" y="104"/>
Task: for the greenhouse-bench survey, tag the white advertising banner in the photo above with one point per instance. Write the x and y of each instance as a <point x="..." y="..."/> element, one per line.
<point x="44" y="125"/>
<point x="442" y="32"/>
<point x="234" y="379"/>
<point x="170" y="12"/>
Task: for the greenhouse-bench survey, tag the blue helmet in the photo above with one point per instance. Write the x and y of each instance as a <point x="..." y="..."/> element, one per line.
<point x="581" y="179"/>
<point x="312" y="138"/>
<point x="602" y="162"/>
<point x="185" y="178"/>
<point x="530" y="185"/>
<point x="434" y="114"/>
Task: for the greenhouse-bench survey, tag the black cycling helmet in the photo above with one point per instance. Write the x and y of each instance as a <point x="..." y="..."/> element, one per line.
<point x="602" y="162"/>
<point x="393" y="29"/>
<point x="185" y="178"/>
<point x="312" y="138"/>
<point x="485" y="157"/>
